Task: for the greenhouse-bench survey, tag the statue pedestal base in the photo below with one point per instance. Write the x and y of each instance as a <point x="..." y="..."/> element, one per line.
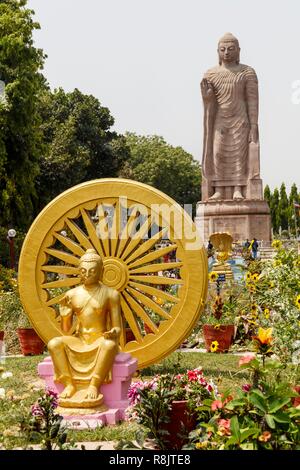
<point x="115" y="399"/>
<point x="246" y="218"/>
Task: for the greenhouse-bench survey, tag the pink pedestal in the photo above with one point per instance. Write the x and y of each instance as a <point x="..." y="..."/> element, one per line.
<point x="115" y="393"/>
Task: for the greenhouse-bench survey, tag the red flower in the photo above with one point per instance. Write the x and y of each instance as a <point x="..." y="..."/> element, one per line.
<point x="192" y="376"/>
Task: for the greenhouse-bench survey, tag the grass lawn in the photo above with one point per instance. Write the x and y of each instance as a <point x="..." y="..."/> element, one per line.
<point x="24" y="388"/>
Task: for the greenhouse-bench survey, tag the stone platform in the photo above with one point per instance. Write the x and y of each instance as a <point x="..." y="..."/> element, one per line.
<point x="115" y="394"/>
<point x="245" y="218"/>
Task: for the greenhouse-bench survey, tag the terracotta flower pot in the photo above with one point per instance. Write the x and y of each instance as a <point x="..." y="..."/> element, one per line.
<point x="1" y="335"/>
<point x="223" y="335"/>
<point x="30" y="342"/>
<point x="181" y="423"/>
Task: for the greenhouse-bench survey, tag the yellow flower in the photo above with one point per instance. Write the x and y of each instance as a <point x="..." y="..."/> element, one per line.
<point x="253" y="309"/>
<point x="217" y="327"/>
<point x="276" y="244"/>
<point x="277" y="262"/>
<point x="255" y="277"/>
<point x="214" y="346"/>
<point x="267" y="312"/>
<point x="248" y="276"/>
<point x="13" y="282"/>
<point x="264" y="335"/>
<point x="213" y="276"/>
<point x="201" y="445"/>
<point x="158" y="300"/>
<point x="298" y="301"/>
<point x="250" y="287"/>
<point x="271" y="284"/>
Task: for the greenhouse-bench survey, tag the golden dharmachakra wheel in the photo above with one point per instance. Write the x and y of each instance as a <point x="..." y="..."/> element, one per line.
<point x="151" y="255"/>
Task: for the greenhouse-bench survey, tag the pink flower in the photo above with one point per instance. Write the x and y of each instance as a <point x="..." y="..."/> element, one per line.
<point x="246" y="359"/>
<point x="37" y="411"/>
<point x="217" y="404"/>
<point x="53" y="396"/>
<point x="225" y="423"/>
<point x="224" y="427"/>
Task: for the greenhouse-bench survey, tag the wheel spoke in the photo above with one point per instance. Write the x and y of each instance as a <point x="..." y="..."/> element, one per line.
<point x="156" y="279"/>
<point x="127" y="231"/>
<point x="91" y="230"/>
<point x="152" y="256"/>
<point x="103" y="229"/>
<point x="68" y="282"/>
<point x="140" y="312"/>
<point x="70" y="245"/>
<point x="131" y="320"/>
<point x="154" y="291"/>
<point x="55" y="300"/>
<point x="79" y="234"/>
<point x="115" y="230"/>
<point x="146" y="246"/>
<point x="154" y="268"/>
<point x="68" y="270"/>
<point x="149" y="303"/>
<point x="138" y="236"/>
<point x="66" y="257"/>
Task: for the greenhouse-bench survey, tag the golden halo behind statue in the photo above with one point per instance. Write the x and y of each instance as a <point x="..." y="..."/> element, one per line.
<point x="126" y="222"/>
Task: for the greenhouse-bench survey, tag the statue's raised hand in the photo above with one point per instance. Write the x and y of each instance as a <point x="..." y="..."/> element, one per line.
<point x="207" y="91"/>
<point x="65" y="311"/>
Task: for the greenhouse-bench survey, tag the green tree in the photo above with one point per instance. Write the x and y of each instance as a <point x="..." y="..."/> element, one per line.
<point x="283" y="208"/>
<point x="20" y="137"/>
<point x="274" y="211"/>
<point x="294" y="212"/>
<point x="80" y="144"/>
<point x="268" y="195"/>
<point x="170" y="169"/>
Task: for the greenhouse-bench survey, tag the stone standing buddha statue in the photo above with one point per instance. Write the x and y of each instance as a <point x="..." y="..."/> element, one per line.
<point x="230" y="97"/>
<point x="83" y="359"/>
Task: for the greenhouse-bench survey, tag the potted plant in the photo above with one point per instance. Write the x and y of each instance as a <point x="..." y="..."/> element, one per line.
<point x="30" y="342"/>
<point x="218" y="319"/>
<point x="166" y="405"/>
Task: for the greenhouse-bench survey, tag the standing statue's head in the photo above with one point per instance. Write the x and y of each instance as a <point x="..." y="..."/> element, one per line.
<point x="90" y="267"/>
<point x="229" y="49"/>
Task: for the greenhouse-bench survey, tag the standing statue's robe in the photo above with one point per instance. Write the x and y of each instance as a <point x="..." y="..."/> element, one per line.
<point x="227" y="123"/>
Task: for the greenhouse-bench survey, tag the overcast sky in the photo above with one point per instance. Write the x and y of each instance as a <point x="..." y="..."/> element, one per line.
<point x="144" y="60"/>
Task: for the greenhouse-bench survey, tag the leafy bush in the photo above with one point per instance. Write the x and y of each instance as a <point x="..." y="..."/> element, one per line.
<point x="260" y="416"/>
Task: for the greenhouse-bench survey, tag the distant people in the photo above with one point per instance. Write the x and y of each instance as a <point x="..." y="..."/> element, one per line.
<point x="247" y="243"/>
<point x="254" y="248"/>
<point x="210" y="249"/>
